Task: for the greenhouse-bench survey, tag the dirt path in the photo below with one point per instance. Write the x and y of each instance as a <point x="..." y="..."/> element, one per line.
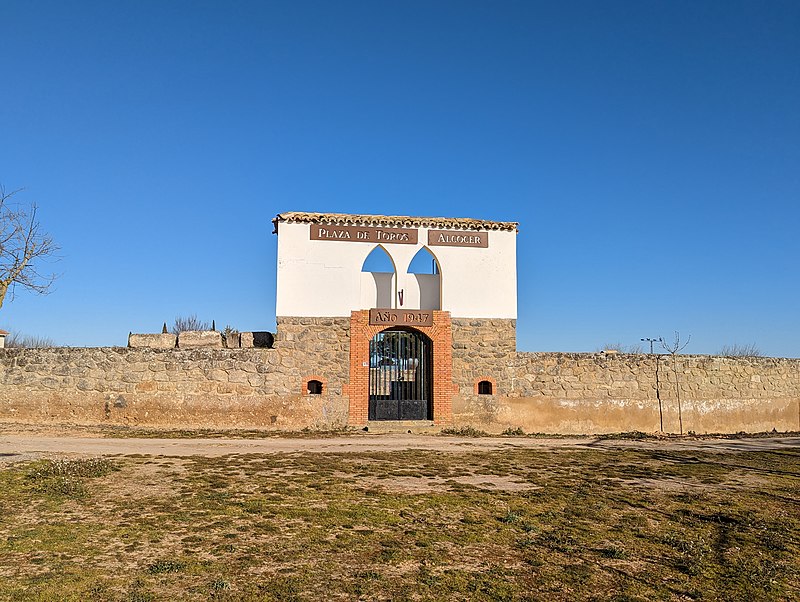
<point x="15" y="446"/>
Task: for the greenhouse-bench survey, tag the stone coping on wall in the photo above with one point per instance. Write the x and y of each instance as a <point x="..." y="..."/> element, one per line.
<point x="600" y="355"/>
<point x="195" y="339"/>
<point x="8" y="351"/>
<point x="20" y="351"/>
<point x="462" y="223"/>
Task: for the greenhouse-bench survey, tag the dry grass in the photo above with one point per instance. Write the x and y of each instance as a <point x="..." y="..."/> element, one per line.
<point x="408" y="525"/>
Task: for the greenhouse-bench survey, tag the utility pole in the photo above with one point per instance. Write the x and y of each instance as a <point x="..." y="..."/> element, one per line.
<point x="651" y="341"/>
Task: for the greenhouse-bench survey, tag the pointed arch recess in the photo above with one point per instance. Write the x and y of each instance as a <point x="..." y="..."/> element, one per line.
<point x="420" y="258"/>
<point x="424" y="289"/>
<point x="378" y="288"/>
<point x="377" y="253"/>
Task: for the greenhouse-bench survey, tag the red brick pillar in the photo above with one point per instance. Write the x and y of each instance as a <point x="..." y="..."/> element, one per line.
<point x="361" y="333"/>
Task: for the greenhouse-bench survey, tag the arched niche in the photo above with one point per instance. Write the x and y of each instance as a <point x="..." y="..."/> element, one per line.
<point x="423" y="286"/>
<point x="378" y="279"/>
<point x="424" y="262"/>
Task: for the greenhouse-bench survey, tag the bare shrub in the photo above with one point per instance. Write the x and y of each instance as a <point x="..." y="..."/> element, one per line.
<point x="620" y="348"/>
<point x="737" y="350"/>
<point x="184" y="323"/>
<point x="18" y="340"/>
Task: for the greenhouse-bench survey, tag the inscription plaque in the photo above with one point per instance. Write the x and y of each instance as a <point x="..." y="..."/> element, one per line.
<point x="458" y="238"/>
<point x="403" y="236"/>
<point x="400" y="317"/>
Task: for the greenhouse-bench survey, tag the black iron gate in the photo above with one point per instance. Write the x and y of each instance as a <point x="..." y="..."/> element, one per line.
<point x="400" y="376"/>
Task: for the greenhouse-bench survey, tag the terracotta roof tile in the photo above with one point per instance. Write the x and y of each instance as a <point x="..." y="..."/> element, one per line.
<point x="462" y="223"/>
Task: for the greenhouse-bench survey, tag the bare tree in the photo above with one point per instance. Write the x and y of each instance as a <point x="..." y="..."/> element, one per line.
<point x="658" y="392"/>
<point x="183" y="323"/>
<point x="674" y="349"/>
<point x="737" y="350"/>
<point x="23" y="248"/>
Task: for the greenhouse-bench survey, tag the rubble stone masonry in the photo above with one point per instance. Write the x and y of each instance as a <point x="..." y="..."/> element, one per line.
<point x="601" y="393"/>
<point x="567" y="393"/>
<point x="483" y="349"/>
<point x="198" y="388"/>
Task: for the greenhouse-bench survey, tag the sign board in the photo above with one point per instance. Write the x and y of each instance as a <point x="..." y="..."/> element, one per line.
<point x="458" y="238"/>
<point x="400" y="317"/>
<point x="403" y="236"/>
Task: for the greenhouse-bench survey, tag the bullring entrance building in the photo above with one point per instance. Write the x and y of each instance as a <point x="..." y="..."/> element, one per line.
<point x="427" y="338"/>
<point x="400" y="343"/>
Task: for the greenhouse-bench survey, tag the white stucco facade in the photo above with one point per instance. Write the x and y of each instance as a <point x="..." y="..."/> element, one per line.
<point x="324" y="278"/>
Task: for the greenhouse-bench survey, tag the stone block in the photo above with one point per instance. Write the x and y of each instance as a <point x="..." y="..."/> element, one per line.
<point x="153" y="341"/>
<point x="194" y="339"/>
<point x="237" y="376"/>
<point x="232" y="340"/>
<point x="261" y="339"/>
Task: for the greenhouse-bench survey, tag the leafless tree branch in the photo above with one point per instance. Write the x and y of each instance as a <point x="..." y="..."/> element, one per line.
<point x="192" y="322"/>
<point x="24" y="247"/>
<point x="674" y="349"/>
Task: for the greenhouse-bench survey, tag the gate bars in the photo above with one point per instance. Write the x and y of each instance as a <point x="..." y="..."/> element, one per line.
<point x="399" y="377"/>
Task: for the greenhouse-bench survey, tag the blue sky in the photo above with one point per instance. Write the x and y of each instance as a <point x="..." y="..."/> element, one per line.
<point x="649" y="150"/>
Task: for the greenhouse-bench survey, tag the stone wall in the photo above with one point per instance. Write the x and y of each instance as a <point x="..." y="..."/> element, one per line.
<point x="483" y="349"/>
<point x="173" y="387"/>
<point x="315" y="348"/>
<point x="600" y="393"/>
<point x="253" y="388"/>
<point x="567" y="393"/>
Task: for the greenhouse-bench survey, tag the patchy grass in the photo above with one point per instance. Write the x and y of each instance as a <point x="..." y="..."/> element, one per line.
<point x="632" y="435"/>
<point x="67" y="477"/>
<point x="463" y="431"/>
<point x="141" y="432"/>
<point x="124" y="432"/>
<point x="407" y="525"/>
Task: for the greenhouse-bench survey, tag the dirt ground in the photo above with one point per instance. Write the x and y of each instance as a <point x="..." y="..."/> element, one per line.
<point x="19" y="442"/>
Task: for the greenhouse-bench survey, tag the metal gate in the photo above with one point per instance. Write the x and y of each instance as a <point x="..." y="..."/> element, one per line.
<point x="400" y="376"/>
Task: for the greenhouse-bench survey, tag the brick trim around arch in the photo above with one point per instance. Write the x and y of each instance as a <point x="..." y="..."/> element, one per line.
<point x="306" y="379"/>
<point x="480" y="379"/>
<point x="361" y="333"/>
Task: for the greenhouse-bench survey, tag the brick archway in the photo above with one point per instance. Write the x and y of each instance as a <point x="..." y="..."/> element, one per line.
<point x="440" y="333"/>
